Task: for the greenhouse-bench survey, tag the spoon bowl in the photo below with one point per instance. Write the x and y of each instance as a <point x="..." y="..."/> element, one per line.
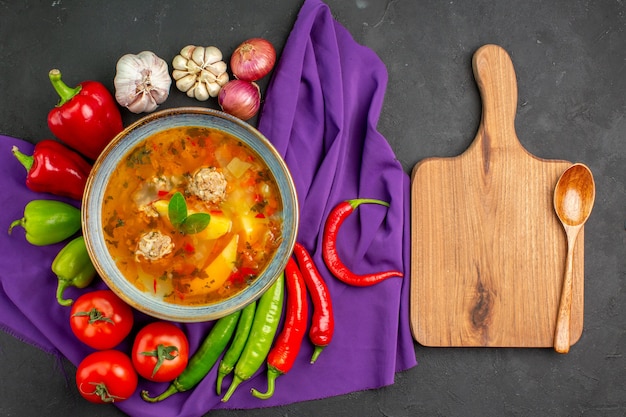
<point x="574" y="196"/>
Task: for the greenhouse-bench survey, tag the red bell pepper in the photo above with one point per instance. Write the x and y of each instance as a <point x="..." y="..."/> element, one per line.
<point x="54" y="168"/>
<point x="86" y="118"/>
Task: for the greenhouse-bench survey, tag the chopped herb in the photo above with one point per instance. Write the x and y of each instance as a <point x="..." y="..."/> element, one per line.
<point x="113" y="243"/>
<point x="259" y="206"/>
<point x="263" y="176"/>
<point x="173" y="150"/>
<point x="195" y="131"/>
<point x="139" y="157"/>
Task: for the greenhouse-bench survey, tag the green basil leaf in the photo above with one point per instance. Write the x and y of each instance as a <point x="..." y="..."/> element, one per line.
<point x="177" y="210"/>
<point x="195" y="223"/>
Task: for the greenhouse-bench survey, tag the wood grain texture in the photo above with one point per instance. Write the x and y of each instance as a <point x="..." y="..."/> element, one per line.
<point x="488" y="251"/>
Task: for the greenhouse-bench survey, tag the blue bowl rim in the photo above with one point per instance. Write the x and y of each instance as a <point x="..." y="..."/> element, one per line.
<point x="92" y="217"/>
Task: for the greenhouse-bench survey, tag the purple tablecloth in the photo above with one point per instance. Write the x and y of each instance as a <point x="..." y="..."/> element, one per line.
<point x="321" y="111"/>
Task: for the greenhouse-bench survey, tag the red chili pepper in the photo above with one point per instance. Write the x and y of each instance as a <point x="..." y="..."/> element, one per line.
<point x="87" y="116"/>
<point x="285" y="350"/>
<point x="188" y="247"/>
<point x="241" y="275"/>
<point x="329" y="246"/>
<point x="54" y="168"/>
<point x="323" y="321"/>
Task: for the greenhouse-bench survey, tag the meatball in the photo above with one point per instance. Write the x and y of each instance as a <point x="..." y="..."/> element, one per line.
<point x="154" y="245"/>
<point x="209" y="185"/>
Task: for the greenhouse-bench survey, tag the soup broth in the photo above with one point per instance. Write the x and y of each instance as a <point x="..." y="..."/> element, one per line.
<point x="216" y="174"/>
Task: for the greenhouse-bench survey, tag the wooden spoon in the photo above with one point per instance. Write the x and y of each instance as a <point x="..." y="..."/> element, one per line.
<point x="574" y="196"/>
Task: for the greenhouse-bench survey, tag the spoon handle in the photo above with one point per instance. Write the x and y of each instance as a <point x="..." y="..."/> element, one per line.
<point x="561" y="334"/>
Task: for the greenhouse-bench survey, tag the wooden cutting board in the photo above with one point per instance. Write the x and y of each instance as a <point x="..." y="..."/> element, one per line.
<point x="488" y="251"/>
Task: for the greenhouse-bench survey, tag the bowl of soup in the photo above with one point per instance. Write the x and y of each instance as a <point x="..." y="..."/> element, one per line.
<point x="189" y="214"/>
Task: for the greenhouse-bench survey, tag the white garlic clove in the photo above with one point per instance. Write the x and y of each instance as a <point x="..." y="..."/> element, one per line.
<point x="201" y="93"/>
<point x="179" y="63"/>
<point x="212" y="55"/>
<point x="178" y="74"/>
<point x="214" y="89"/>
<point x="185" y="83"/>
<point x="222" y="79"/>
<point x="198" y="55"/>
<point x="192" y="67"/>
<point x="190" y="91"/>
<point x="150" y="60"/>
<point x="159" y="95"/>
<point x="187" y="51"/>
<point x="207" y="77"/>
<point x="143" y="102"/>
<point x="217" y="68"/>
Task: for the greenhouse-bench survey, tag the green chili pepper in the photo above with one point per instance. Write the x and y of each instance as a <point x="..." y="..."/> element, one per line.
<point x="236" y="347"/>
<point x="48" y="221"/>
<point x="264" y="326"/>
<point x="73" y="268"/>
<point x="203" y="360"/>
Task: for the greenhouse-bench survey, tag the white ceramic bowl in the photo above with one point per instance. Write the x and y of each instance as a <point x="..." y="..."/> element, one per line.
<point x="119" y="148"/>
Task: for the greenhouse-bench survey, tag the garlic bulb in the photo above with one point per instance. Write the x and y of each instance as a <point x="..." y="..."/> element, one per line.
<point x="199" y="71"/>
<point x="142" y="81"/>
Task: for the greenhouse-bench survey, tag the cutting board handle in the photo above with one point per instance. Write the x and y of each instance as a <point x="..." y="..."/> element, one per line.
<point x="495" y="76"/>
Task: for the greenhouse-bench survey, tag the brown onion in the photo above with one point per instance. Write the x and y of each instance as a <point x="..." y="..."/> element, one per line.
<point x="240" y="98"/>
<point x="253" y="59"/>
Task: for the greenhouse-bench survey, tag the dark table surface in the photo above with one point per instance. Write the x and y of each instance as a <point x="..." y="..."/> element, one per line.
<point x="570" y="58"/>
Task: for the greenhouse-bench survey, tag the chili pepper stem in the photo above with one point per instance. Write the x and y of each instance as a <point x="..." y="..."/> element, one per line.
<point x="231" y="389"/>
<point x="65" y="92"/>
<point x="358" y="201"/>
<point x="171" y="390"/>
<point x="26" y="160"/>
<point x="272" y="374"/>
<point x="220" y="378"/>
<point x="230" y="358"/>
<point x="316" y="353"/>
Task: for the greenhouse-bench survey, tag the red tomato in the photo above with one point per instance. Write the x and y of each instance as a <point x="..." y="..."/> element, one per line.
<point x="160" y="352"/>
<point x="100" y="319"/>
<point x="106" y="376"/>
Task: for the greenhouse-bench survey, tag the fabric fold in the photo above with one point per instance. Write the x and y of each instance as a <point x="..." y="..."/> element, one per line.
<point x="321" y="112"/>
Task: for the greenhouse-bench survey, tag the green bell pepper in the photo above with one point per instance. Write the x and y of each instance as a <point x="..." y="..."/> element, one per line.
<point x="73" y="268"/>
<point x="48" y="221"/>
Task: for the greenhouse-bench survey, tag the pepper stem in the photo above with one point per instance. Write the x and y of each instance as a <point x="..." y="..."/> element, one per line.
<point x="358" y="201"/>
<point x="26" y="160"/>
<point x="65" y="93"/>
<point x="272" y="374"/>
<point x="172" y="389"/>
<point x="316" y="353"/>
<point x="218" y="388"/>
<point x="18" y="222"/>
<point x="63" y="284"/>
<point x="231" y="389"/>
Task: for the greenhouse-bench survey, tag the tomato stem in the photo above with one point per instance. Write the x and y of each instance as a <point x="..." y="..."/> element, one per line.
<point x="162" y="353"/>
<point x="100" y="390"/>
